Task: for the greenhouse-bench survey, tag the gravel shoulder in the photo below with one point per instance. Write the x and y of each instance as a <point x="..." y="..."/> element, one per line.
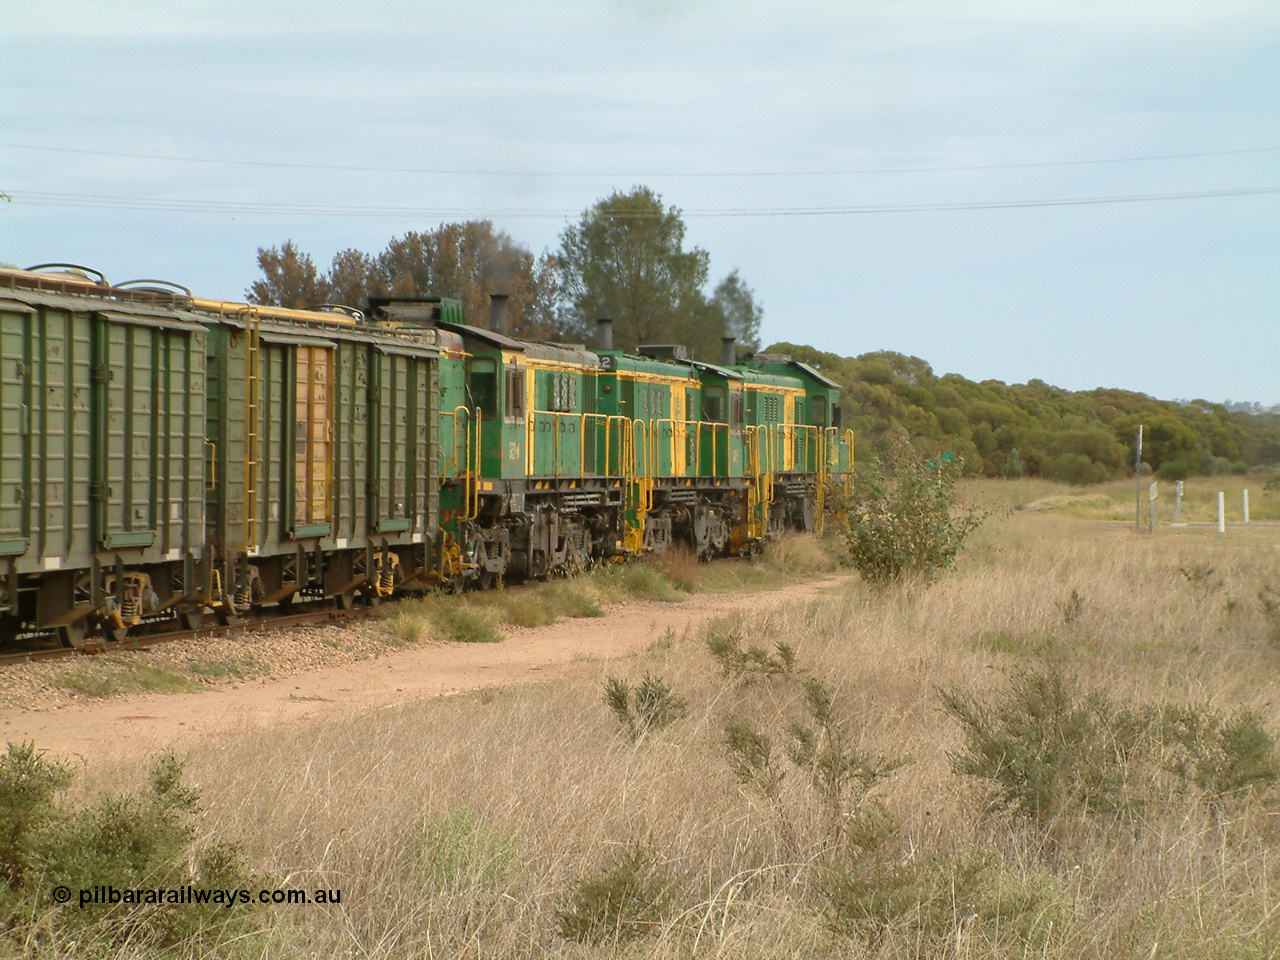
<point x="313" y="672"/>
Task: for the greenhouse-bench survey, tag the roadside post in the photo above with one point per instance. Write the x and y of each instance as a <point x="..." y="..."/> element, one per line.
<point x="1137" y="482"/>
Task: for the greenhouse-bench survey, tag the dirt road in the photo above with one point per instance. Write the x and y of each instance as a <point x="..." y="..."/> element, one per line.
<point x="98" y="730"/>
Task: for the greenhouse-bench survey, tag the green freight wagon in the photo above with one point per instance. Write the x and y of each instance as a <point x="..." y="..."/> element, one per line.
<point x="102" y="457"/>
<point x="325" y="439"/>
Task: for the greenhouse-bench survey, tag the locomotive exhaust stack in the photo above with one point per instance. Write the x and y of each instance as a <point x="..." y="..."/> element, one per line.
<point x="498" y="314"/>
<point x="604" y="334"/>
<point x="728" y="351"/>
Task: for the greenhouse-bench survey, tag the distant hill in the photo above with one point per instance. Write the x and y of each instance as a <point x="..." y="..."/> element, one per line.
<point x="1036" y="429"/>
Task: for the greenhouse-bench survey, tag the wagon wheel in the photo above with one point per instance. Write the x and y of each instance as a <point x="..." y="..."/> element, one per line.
<point x="113" y="633"/>
<point x="227" y="615"/>
<point x="345" y="600"/>
<point x="190" y="619"/>
<point x="485" y="580"/>
<point x="73" y="634"/>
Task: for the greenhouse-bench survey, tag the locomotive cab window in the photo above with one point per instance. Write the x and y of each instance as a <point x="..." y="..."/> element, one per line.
<point x="482" y="384"/>
<point x="713" y="404"/>
<point x="515" y="393"/>
<point x="818" y="411"/>
<point x="737" y="408"/>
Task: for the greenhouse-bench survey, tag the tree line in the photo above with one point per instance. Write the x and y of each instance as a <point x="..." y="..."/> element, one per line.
<point x="624" y="259"/>
<point x="1035" y="429"/>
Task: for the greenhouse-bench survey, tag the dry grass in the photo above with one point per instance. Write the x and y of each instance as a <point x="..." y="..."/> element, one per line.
<point x="461" y="827"/>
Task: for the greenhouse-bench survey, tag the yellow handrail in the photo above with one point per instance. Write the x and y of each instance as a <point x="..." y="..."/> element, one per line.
<point x="252" y="390"/>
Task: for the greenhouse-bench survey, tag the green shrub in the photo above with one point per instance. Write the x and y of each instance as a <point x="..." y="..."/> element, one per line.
<point x="839" y="772"/>
<point x="648" y="707"/>
<point x="1012" y="467"/>
<point x="1047" y="749"/>
<point x="1239" y="468"/>
<point x="901" y="519"/>
<point x="625" y="901"/>
<point x="100" y="680"/>
<point x="1172" y="470"/>
<point x="28" y="786"/>
<point x="840" y="775"/>
<point x="723" y="638"/>
<point x="145" y="840"/>
<point x="935" y="899"/>
<point x="641" y="581"/>
<point x="454" y="619"/>
<point x="458" y="852"/>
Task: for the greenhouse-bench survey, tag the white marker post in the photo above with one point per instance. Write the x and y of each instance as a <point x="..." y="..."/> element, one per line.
<point x="1222" y="514"/>
<point x="1177" y="502"/>
<point x="1151" y="518"/>
<point x="1137" y="482"/>
<point x="1246" y="504"/>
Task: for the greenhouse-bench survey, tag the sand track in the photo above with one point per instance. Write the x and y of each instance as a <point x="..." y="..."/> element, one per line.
<point x="117" y="728"/>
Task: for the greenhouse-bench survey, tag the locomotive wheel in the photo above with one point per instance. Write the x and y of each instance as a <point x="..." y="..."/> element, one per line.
<point x="190" y="620"/>
<point x="73" y="634"/>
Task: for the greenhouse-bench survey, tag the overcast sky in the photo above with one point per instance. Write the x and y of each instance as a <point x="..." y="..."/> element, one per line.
<point x="803" y="120"/>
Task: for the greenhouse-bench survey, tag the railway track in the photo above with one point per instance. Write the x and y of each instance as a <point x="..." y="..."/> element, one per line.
<point x="260" y="624"/>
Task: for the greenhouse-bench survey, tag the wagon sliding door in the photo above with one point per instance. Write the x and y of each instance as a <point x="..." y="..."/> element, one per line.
<point x="297" y="410"/>
<point x="148" y="458"/>
<point x="403" y="442"/>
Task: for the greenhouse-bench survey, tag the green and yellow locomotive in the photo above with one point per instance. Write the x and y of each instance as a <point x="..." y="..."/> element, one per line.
<point x="164" y="455"/>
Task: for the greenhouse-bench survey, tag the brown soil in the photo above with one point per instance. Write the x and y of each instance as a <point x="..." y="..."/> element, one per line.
<point x="35" y="707"/>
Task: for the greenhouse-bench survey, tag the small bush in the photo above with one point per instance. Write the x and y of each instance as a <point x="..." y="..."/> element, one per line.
<point x="456" y="620"/>
<point x="1013" y="467"/>
<point x="1047" y="749"/>
<point x="458" y="852"/>
<point x="751" y="757"/>
<point x="939" y="899"/>
<point x="724" y="637"/>
<point x="1173" y="470"/>
<point x="124" y="677"/>
<point x="139" y="841"/>
<point x="574" y="600"/>
<point x="648" y="707"/>
<point x="1239" y="468"/>
<point x="839" y="773"/>
<point x="681" y="567"/>
<point x="798" y="555"/>
<point x="901" y="523"/>
<point x="625" y="901"/>
<point x="525" y="608"/>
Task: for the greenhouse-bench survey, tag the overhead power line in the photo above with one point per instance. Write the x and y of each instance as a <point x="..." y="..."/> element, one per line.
<point x="624" y="175"/>
<point x="177" y="205"/>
